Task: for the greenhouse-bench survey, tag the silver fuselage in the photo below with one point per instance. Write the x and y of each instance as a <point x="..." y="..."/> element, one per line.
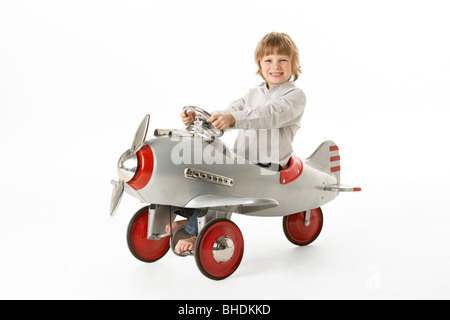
<point x="231" y="183"/>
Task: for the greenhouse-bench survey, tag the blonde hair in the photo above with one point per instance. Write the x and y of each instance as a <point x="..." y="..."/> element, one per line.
<point x="278" y="43"/>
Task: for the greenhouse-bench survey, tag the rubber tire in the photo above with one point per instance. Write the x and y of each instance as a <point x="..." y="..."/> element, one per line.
<point x="143" y="249"/>
<point x="203" y="249"/>
<point x="295" y="230"/>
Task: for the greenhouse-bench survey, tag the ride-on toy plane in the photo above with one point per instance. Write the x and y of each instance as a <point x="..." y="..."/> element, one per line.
<point x="193" y="168"/>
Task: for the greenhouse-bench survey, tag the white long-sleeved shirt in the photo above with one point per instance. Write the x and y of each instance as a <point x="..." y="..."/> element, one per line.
<point x="268" y="120"/>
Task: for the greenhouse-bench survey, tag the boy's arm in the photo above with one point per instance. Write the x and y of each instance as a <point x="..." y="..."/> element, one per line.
<point x="285" y="110"/>
<point x="237" y="105"/>
<point x="224" y="119"/>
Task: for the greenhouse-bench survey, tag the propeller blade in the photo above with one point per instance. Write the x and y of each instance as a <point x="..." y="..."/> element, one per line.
<point x="116" y="196"/>
<point x="141" y="133"/>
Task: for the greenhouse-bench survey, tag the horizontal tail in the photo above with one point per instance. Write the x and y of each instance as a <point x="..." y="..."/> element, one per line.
<point x="327" y="158"/>
<point x="341" y="188"/>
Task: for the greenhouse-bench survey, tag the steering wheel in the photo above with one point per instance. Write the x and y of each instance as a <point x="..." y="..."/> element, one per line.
<point x="200" y="126"/>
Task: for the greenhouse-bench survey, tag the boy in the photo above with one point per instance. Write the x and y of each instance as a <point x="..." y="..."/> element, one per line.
<point x="275" y="105"/>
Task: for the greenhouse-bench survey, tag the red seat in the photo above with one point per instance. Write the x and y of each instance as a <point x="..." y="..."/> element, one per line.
<point x="293" y="171"/>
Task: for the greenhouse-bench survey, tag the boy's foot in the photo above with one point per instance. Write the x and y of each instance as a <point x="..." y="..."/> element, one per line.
<point x="175" y="225"/>
<point x="185" y="245"/>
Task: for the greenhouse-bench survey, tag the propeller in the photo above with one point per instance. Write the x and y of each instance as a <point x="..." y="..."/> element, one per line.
<point x="128" y="163"/>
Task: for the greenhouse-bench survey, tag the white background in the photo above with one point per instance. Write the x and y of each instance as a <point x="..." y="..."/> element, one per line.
<point x="77" y="77"/>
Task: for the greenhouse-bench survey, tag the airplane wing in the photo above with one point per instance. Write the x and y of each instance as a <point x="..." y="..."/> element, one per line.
<point x="341" y="188"/>
<point x="245" y="204"/>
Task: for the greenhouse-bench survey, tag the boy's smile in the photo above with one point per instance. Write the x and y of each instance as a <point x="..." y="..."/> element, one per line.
<point x="276" y="69"/>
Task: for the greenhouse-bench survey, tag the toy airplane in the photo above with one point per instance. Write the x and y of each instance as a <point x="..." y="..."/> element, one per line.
<point x="148" y="172"/>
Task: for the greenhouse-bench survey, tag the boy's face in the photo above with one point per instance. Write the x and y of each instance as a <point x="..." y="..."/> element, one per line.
<point x="276" y="69"/>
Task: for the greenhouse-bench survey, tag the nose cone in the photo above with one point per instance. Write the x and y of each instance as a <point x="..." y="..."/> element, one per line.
<point x="127" y="166"/>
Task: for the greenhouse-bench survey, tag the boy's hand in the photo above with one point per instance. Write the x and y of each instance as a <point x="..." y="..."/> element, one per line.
<point x="222" y="121"/>
<point x="187" y="117"/>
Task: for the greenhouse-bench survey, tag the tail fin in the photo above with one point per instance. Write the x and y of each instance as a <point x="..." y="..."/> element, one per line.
<point x="327" y="158"/>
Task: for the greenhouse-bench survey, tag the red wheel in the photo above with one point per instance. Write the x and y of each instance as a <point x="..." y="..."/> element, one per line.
<point x="296" y="231"/>
<point x="142" y="248"/>
<point x="219" y="249"/>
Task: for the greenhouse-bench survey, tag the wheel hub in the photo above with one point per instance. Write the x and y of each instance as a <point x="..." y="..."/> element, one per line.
<point x="223" y="249"/>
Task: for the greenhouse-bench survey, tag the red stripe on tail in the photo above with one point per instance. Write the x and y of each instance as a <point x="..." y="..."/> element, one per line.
<point x="334" y="169"/>
<point x="334" y="148"/>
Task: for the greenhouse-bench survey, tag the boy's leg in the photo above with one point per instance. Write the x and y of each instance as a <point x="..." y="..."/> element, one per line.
<point x="175" y="224"/>
<point x="192" y="228"/>
<point x="192" y="225"/>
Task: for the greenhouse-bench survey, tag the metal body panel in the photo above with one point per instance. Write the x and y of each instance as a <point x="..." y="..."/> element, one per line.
<point x="158" y="217"/>
<point x="232" y="204"/>
<point x="255" y="190"/>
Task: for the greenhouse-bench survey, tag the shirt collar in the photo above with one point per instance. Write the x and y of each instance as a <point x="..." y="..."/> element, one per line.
<point x="284" y="85"/>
